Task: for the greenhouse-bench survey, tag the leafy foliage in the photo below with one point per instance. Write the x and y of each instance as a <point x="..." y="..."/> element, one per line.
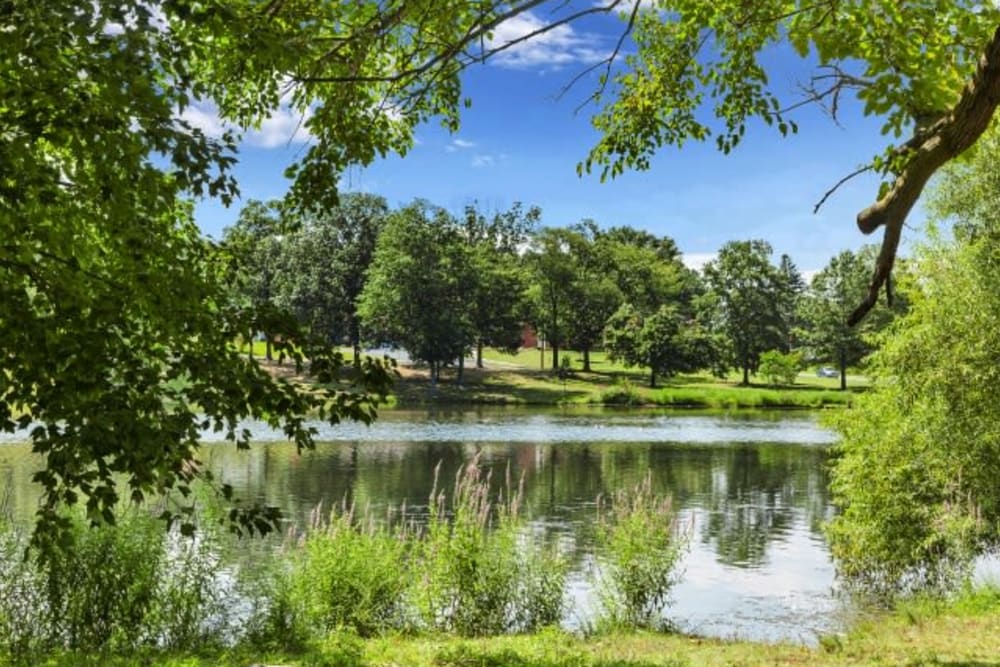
<point x="554" y="272"/>
<point x="748" y="292"/>
<point x="825" y="308"/>
<point x="497" y="291"/>
<point x="780" y="368"/>
<point x="416" y="284"/>
<point x="663" y="342"/>
<point x="117" y="328"/>
<point x="123" y="588"/>
<point x="324" y="266"/>
<point x="642" y="547"/>
<point x="917" y="470"/>
<point x="698" y="70"/>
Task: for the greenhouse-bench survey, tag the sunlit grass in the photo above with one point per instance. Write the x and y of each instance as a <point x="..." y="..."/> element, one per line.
<point x="962" y="633"/>
<point x="520" y="379"/>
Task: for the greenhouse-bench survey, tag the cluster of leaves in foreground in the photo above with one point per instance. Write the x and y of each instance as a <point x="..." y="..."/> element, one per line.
<point x="116" y="330"/>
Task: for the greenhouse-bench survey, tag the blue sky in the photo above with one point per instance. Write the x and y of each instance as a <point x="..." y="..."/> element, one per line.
<point x="519" y="142"/>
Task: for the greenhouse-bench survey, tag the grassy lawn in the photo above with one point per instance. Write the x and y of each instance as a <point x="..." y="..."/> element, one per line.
<point x="518" y="380"/>
<point x="961" y="634"/>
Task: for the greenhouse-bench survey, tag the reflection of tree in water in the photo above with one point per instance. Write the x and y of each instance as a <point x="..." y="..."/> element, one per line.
<point x="749" y="495"/>
<point x="756" y="496"/>
<point x="752" y="494"/>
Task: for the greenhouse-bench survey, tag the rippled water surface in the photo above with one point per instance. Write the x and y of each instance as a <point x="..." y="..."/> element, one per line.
<point x="751" y="489"/>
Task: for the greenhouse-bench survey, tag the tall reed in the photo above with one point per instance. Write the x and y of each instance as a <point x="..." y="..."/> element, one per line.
<point x="639" y="549"/>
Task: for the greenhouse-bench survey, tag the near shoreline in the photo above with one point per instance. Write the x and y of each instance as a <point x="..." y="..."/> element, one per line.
<point x="960" y="633"/>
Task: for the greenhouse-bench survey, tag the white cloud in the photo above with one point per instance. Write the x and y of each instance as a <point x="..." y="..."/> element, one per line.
<point x="284" y="126"/>
<point x="697" y="260"/>
<point x="204" y="117"/>
<point x="459" y="144"/>
<point x="562" y="45"/>
<point x="483" y="161"/>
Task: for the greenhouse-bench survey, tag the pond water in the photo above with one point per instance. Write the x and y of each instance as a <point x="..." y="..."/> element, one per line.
<point x="751" y="489"/>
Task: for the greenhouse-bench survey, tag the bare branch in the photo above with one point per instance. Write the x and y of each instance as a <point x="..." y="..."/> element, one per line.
<point x="477" y="32"/>
<point x="814" y="93"/>
<point x="829" y="193"/>
<point x="607" y="64"/>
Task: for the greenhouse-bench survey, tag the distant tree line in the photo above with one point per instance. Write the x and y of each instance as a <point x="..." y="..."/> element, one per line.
<point x="443" y="287"/>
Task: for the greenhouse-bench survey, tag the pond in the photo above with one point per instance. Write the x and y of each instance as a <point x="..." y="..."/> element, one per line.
<point x="751" y="490"/>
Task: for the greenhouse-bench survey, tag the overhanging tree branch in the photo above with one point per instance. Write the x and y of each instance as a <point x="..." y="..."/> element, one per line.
<point x="929" y="149"/>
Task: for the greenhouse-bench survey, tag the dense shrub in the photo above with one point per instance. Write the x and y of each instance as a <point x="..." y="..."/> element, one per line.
<point x="918" y="467"/>
<point x="351" y="572"/>
<point x="780" y="368"/>
<point x="622" y="393"/>
<point x="115" y="588"/>
<point x="480" y="575"/>
<point x="640" y="548"/>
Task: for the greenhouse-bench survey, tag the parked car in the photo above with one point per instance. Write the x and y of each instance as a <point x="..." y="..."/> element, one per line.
<point x="827" y="372"/>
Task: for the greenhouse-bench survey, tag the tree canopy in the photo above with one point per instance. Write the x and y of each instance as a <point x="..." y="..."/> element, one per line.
<point x="750" y="292"/>
<point x="929" y="69"/>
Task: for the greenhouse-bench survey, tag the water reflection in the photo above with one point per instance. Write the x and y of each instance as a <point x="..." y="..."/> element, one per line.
<point x="752" y="489"/>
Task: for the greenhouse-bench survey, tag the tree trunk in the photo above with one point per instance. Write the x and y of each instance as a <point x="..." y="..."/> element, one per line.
<point x="746" y="372"/>
<point x="267" y="349"/>
<point x="479" y="353"/>
<point x="461" y="367"/>
<point x="555" y="357"/>
<point x="356" y="344"/>
<point x="652" y="378"/>
<point x="843" y="371"/>
<point x="930" y="148"/>
<point x="586" y="360"/>
<point x="250" y="342"/>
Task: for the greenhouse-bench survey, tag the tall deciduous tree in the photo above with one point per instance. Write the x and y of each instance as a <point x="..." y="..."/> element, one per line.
<point x="417" y="284"/>
<point x="593" y="295"/>
<point x="664" y="341"/>
<point x="553" y="273"/>
<point x="498" y="275"/>
<point x="825" y="308"/>
<point x="255" y="245"/>
<point x="748" y="287"/>
<point x="325" y="266"/>
<point x="646" y="268"/>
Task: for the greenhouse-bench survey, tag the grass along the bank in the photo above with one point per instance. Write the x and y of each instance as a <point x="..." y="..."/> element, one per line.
<point x="518" y="380"/>
<point x="963" y="633"/>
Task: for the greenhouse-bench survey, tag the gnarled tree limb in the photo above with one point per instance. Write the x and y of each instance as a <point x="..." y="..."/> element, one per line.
<point x="929" y="149"/>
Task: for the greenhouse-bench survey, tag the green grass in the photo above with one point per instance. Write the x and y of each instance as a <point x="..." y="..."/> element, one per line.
<point x="963" y="633"/>
<point x="518" y="380"/>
